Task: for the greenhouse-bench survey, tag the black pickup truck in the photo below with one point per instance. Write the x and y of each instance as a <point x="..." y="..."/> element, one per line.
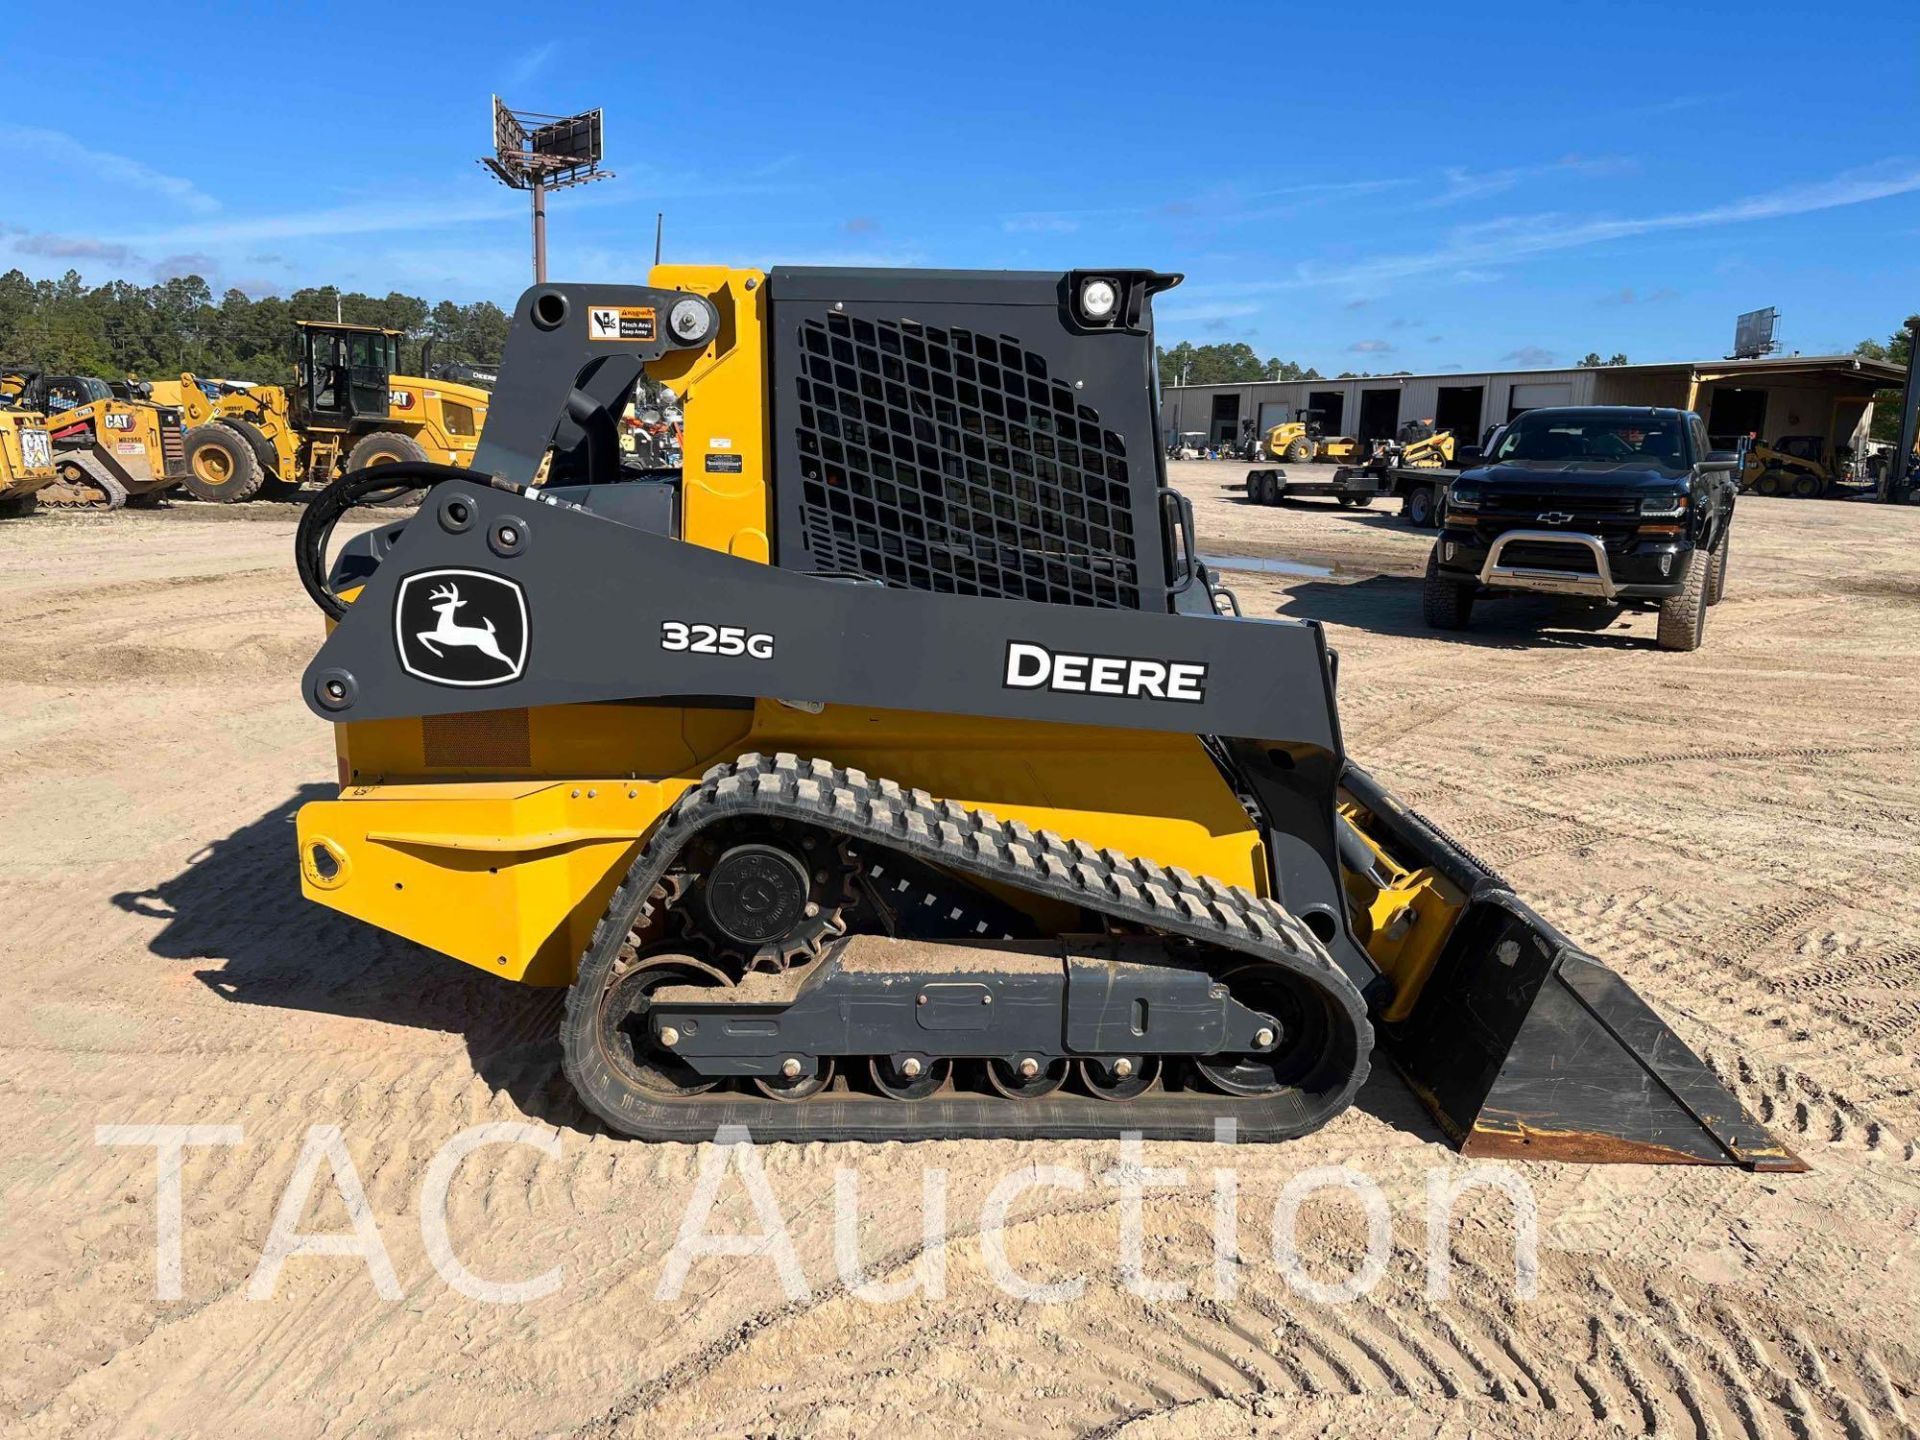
<point x="1621" y="505"/>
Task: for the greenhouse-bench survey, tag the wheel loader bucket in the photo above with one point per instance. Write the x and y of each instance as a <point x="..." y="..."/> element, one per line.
<point x="1525" y="1047"/>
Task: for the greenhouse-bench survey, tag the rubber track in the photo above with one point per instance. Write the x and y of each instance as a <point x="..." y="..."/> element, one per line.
<point x="98" y="473"/>
<point x="973" y="843"/>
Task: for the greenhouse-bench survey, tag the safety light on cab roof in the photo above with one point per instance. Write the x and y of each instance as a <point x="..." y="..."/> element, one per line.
<point x="1099" y="298"/>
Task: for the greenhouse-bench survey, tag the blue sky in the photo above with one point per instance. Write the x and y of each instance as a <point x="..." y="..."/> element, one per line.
<point x="1547" y="178"/>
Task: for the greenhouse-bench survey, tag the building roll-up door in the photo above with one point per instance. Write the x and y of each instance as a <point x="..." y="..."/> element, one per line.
<point x="1537" y="395"/>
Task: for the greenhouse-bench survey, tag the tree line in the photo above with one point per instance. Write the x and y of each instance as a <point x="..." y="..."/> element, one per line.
<point x="120" y="329"/>
<point x="1190" y="364"/>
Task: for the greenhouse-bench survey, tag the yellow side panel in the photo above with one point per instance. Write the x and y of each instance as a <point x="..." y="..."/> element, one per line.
<point x="723" y="490"/>
<point x="510" y="875"/>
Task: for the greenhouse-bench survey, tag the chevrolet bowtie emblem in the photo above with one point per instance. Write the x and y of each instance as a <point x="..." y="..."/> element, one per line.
<point x="1553" y="517"/>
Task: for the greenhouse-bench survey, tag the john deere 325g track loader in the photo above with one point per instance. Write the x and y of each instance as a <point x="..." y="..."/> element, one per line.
<point x="895" y="770"/>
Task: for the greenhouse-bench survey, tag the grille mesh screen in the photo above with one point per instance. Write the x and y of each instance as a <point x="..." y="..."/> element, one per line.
<point x="478" y="740"/>
<point x="946" y="459"/>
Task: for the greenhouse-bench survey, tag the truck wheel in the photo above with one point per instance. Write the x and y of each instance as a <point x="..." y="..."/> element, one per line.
<point x="221" y="465"/>
<point x="1356" y="502"/>
<point x="1446" y="603"/>
<point x="1683" y="617"/>
<point x="1717" y="579"/>
<point x="1420" y="508"/>
<point x="1299" y="452"/>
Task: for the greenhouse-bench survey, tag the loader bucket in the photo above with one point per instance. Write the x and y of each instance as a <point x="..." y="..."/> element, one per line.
<point x="1525" y="1047"/>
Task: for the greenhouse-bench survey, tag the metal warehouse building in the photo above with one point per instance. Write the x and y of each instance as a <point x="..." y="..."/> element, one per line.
<point x="1825" y="395"/>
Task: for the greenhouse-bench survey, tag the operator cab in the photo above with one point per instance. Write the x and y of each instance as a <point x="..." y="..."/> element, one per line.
<point x="70" y="392"/>
<point x="342" y="372"/>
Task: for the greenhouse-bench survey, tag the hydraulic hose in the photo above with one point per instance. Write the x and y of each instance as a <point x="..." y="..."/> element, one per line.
<point x="354" y="488"/>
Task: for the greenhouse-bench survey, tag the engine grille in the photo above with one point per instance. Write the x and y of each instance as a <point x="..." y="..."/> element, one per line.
<point x="1580" y="506"/>
<point x="947" y="459"/>
<point x="173" y="445"/>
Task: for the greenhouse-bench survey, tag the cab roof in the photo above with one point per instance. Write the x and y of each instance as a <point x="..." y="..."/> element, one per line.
<point x="1603" y="412"/>
<point x="347" y="325"/>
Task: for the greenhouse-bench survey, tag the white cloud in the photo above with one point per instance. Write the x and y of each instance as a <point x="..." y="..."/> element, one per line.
<point x="342" y="220"/>
<point x="57" y="151"/>
<point x="1471" y="248"/>
<point x="1226" y="310"/>
<point x="532" y="63"/>
<point x="1463" y="184"/>
<point x="1371" y="347"/>
<point x="1040" y="224"/>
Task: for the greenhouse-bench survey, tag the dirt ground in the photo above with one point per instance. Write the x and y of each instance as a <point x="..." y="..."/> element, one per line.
<point x="1735" y="830"/>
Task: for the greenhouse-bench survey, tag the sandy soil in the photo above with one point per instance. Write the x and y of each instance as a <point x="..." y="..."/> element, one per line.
<point x="1735" y="830"/>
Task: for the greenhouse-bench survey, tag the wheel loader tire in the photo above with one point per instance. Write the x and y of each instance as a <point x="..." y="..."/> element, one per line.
<point x="1683" y="617"/>
<point x="1717" y="579"/>
<point x="264" y="452"/>
<point x="221" y="465"/>
<point x="1299" y="452"/>
<point x="1446" y="603"/>
<point x="1773" y="482"/>
<point x="1807" y="487"/>
<point x="18" y="507"/>
<point x="386" y="447"/>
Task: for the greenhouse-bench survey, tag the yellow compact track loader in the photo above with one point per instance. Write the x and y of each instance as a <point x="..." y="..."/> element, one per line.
<point x="348" y="409"/>
<point x="1419" y="446"/>
<point x="108" y="451"/>
<point x="896" y="770"/>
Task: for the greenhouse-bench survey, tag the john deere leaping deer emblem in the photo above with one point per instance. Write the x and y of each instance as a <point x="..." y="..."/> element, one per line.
<point x="478" y="629"/>
<point x="449" y="631"/>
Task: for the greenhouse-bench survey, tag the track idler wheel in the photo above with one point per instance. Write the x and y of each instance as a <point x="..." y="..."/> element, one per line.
<point x="908" y="1077"/>
<point x="798" y="1079"/>
<point x="646" y="1055"/>
<point x="1029" y="1077"/>
<point x="1295" y="1045"/>
<point x="1119" y="1077"/>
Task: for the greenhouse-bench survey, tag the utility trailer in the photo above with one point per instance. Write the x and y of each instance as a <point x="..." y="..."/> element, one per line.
<point x="1420" y="489"/>
<point x="1351" y="485"/>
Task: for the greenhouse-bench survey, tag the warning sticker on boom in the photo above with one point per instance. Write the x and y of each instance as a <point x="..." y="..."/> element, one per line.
<point x="620" y="322"/>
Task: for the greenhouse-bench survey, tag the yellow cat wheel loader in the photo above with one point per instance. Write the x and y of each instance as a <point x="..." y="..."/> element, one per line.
<point x="108" y="451"/>
<point x="348" y="408"/>
<point x="897" y="771"/>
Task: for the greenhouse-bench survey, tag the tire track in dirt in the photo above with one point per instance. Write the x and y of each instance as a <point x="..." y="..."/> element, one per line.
<point x="1652" y="1351"/>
